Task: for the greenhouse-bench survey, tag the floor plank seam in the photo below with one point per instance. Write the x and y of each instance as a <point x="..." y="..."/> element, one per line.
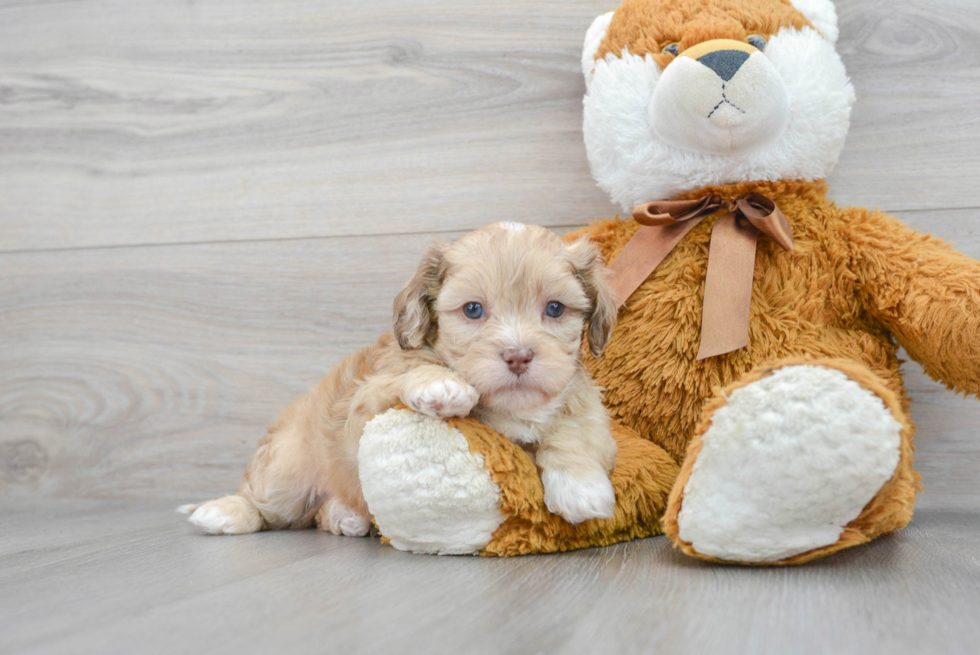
<point x="220" y="242"/>
<point x="359" y="235"/>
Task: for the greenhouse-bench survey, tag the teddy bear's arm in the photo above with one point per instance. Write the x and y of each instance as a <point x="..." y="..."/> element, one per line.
<point x="925" y="292"/>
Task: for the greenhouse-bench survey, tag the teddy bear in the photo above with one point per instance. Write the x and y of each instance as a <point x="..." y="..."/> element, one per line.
<point x="753" y="378"/>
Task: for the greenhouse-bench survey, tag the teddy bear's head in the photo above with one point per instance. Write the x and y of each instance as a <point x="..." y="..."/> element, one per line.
<point x="682" y="94"/>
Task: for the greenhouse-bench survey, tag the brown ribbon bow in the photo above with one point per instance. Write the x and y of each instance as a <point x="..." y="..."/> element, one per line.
<point x="731" y="258"/>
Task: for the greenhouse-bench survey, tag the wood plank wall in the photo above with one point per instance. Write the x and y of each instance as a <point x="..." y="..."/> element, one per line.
<point x="205" y="204"/>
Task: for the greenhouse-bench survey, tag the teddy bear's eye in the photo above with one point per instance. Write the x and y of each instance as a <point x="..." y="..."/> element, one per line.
<point x="757" y="41"/>
<point x="670" y="49"/>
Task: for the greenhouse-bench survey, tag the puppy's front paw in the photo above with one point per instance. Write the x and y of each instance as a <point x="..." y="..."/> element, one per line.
<point x="443" y="398"/>
<point x="578" y="499"/>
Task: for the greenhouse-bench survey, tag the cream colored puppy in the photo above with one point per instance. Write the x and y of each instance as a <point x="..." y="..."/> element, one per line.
<point x="490" y="325"/>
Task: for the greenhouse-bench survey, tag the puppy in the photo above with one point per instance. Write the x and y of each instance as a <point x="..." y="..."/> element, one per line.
<point x="490" y="325"/>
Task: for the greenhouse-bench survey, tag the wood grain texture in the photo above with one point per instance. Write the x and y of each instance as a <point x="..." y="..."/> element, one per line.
<point x="205" y="204"/>
<point x="117" y="362"/>
<point x="147" y="372"/>
<point x="170" y="122"/>
<point x="915" y="65"/>
<point x="161" y="122"/>
<point x="125" y="577"/>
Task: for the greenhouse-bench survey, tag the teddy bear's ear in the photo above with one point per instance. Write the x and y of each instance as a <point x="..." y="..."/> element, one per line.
<point x="413" y="306"/>
<point x="822" y="14"/>
<point x="593" y="39"/>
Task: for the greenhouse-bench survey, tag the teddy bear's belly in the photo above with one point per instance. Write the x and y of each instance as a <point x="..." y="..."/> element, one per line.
<point x="654" y="385"/>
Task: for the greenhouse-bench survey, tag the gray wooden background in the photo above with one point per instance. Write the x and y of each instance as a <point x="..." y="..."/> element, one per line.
<point x="203" y="205"/>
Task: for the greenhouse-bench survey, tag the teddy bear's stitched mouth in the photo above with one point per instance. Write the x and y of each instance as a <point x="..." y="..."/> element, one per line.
<point x="724" y="100"/>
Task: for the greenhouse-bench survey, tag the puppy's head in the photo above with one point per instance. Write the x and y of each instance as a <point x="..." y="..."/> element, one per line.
<point x="507" y="308"/>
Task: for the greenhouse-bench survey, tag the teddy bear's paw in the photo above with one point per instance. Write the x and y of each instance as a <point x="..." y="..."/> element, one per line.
<point x="786" y="464"/>
<point x="336" y="517"/>
<point x="232" y="514"/>
<point x="427" y="492"/>
<point x="578" y="499"/>
<point x="443" y="398"/>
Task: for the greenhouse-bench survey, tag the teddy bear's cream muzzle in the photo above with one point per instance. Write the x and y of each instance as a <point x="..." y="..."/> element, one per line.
<point x="720" y="96"/>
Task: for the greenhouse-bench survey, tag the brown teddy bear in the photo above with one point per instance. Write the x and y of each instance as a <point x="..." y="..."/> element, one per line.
<point x="761" y="415"/>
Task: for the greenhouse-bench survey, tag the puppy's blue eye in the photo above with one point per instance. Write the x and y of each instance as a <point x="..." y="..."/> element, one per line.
<point x="671" y="49"/>
<point x="473" y="310"/>
<point x="757" y="41"/>
<point x="554" y="309"/>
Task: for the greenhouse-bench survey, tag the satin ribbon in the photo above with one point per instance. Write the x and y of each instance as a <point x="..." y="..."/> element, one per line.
<point x="731" y="258"/>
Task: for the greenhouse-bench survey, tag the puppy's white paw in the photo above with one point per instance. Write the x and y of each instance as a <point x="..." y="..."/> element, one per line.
<point x="227" y="515"/>
<point x="340" y="519"/>
<point x="578" y="499"/>
<point x="443" y="398"/>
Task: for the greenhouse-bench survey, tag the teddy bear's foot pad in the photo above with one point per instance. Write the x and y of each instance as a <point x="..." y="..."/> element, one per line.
<point x="787" y="462"/>
<point x="428" y="493"/>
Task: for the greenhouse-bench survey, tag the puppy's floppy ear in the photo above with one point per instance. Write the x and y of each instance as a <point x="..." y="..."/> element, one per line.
<point x="414" y="318"/>
<point x="589" y="268"/>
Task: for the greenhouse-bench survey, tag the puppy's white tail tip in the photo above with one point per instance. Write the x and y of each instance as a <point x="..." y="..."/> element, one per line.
<point x="188" y="508"/>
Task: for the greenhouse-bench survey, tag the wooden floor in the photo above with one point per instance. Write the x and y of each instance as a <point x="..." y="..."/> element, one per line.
<point x="89" y="576"/>
<point x="205" y="204"/>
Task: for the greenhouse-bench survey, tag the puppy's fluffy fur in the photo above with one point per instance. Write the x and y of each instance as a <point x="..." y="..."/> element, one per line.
<point x="513" y="364"/>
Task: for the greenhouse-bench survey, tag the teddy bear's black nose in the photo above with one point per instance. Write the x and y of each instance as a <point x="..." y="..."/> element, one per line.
<point x="724" y="62"/>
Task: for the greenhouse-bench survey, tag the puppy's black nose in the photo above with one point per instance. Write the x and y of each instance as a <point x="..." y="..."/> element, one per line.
<point x="517" y="359"/>
<point x="724" y="62"/>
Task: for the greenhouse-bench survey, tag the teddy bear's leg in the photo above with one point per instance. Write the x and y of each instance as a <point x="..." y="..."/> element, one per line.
<point x="427" y="492"/>
<point x="797" y="460"/>
<point x="458" y="487"/>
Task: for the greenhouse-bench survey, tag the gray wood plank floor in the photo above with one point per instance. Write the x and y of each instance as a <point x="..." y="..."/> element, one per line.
<point x="204" y="205"/>
<point x="124" y="577"/>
